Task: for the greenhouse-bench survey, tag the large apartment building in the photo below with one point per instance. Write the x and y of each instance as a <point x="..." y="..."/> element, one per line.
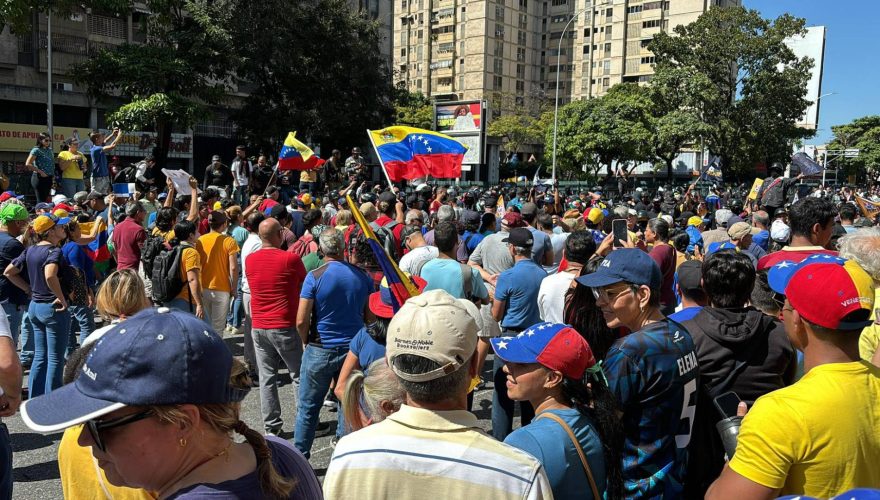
<point x="507" y="51"/>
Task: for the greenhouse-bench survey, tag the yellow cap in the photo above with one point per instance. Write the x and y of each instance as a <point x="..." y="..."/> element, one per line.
<point x="695" y="221"/>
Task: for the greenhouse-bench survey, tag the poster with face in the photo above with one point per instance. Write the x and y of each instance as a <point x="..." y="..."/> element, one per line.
<point x="458" y="117"/>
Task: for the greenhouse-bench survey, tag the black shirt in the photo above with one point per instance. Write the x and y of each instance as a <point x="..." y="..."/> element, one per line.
<point x="10" y="248"/>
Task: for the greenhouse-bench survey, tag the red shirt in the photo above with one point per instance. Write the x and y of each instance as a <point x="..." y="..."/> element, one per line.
<point x="275" y="278"/>
<point x="382" y="221"/>
<point x="128" y="240"/>
<point x="794" y="254"/>
<point x="267" y="204"/>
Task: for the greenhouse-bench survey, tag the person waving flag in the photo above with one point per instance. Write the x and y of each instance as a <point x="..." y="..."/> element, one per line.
<point x="411" y="153"/>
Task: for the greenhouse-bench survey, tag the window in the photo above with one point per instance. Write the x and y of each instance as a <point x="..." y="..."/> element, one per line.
<point x="606" y="82"/>
<point x="559" y="2"/>
<point x="106" y="26"/>
<point x="644" y="43"/>
<point x="523" y="21"/>
<point x="497" y="83"/>
<point x="523" y="4"/>
<point x="633" y="9"/>
<point x="444" y="47"/>
<point x="499" y="31"/>
<point x="499" y="49"/>
<point x="656" y="5"/>
<point x="648" y="60"/>
<point x="499" y="13"/>
<point x="520" y="70"/>
<point x="607" y="32"/>
<point x="654" y="23"/>
<point x="441" y="64"/>
<point x="521" y="38"/>
<point x="607" y="48"/>
<point x="420" y="34"/>
<point x="419" y="52"/>
<point x="608" y="13"/>
<point x="586" y="49"/>
<point x="586" y="32"/>
<point x="498" y="65"/>
<point x="520" y="54"/>
<point x="559" y="19"/>
<point x="606" y="67"/>
<point x="402" y="52"/>
<point x="403" y="4"/>
<point x="520" y="86"/>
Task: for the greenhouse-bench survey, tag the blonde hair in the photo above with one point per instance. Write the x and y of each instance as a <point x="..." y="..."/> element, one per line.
<point x="234" y="214"/>
<point x="575" y="224"/>
<point x="369" y="211"/>
<point x="343" y="218"/>
<point x="224" y="418"/>
<point x="121" y="294"/>
<point x="379" y="386"/>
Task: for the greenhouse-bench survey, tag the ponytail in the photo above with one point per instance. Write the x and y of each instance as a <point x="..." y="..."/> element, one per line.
<point x="598" y="403"/>
<point x="351" y="401"/>
<point x="272" y="484"/>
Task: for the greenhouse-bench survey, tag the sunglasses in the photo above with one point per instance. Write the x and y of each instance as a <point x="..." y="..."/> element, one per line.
<point x="96" y="426"/>
<point x="606" y="295"/>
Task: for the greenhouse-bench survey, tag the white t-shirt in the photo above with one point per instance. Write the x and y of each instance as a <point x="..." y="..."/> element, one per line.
<point x="551" y="296"/>
<point x="251" y="245"/>
<point x="240" y="179"/>
<point x="417" y="257"/>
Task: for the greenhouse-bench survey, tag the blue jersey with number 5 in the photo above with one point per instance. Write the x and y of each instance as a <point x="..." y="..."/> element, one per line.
<point x="654" y="374"/>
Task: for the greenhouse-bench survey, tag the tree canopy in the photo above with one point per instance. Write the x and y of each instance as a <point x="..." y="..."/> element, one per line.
<point x="862" y="134"/>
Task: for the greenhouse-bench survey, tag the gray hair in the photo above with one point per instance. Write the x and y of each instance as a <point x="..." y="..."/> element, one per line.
<point x="761" y="217"/>
<point x="722" y="215"/>
<point x="445" y="388"/>
<point x="523" y="251"/>
<point x="411" y="215"/>
<point x="445" y="214"/>
<point x="331" y="242"/>
<point x="621" y="212"/>
<point x="863" y="246"/>
<point x="377" y="386"/>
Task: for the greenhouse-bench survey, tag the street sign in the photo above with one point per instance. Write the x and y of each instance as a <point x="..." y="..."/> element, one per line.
<point x="850" y="153"/>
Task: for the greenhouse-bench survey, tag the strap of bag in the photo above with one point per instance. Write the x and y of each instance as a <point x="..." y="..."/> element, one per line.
<point x="467" y="280"/>
<point x="577" y="446"/>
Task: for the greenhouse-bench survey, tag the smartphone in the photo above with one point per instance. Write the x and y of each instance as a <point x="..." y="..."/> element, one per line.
<point x="618" y="228"/>
<point x="727" y="404"/>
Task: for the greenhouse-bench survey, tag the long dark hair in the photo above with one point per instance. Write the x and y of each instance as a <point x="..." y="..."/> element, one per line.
<point x="582" y="313"/>
<point x="598" y="403"/>
<point x="41" y="137"/>
<point x="378" y="330"/>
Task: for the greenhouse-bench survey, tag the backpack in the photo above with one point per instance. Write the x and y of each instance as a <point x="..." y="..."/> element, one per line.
<point x="165" y="277"/>
<point x="304" y="245"/>
<point x="125" y="176"/>
<point x="153" y="246"/>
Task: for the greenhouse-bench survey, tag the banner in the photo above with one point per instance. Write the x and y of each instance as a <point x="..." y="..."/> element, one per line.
<point x="753" y="193"/>
<point x="459" y="117"/>
<point x="21" y="138"/>
<point x="805" y="164"/>
<point x="869" y="208"/>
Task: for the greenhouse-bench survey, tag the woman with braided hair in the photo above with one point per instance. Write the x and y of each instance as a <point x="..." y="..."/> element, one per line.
<point x="159" y="396"/>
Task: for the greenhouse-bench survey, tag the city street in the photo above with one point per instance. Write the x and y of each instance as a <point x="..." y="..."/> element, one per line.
<point x="35" y="455"/>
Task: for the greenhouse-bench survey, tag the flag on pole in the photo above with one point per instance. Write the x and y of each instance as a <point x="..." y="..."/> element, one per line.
<point x="712" y="171"/>
<point x="295" y="155"/>
<point x="500" y="208"/>
<point x="410" y="153"/>
<point x="805" y="164"/>
<point x="753" y="193"/>
<point x="97" y="249"/>
<point x="401" y="285"/>
<point x="869" y="208"/>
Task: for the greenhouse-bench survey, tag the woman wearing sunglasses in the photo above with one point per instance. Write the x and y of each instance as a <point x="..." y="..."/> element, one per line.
<point x="160" y="397"/>
<point x="41" y="161"/>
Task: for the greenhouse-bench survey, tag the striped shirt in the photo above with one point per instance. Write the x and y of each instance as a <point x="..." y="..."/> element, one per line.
<point x="417" y="452"/>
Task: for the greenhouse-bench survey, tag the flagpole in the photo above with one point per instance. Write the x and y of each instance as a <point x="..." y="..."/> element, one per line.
<point x="381" y="163"/>
<point x="269" y="182"/>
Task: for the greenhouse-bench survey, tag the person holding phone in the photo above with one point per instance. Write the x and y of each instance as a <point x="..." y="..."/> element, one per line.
<point x="44" y="264"/>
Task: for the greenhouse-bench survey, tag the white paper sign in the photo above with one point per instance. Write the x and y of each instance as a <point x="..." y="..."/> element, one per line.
<point x="180" y="178"/>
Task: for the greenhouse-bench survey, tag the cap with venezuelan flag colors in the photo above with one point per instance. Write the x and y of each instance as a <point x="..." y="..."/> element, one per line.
<point x="826" y="290"/>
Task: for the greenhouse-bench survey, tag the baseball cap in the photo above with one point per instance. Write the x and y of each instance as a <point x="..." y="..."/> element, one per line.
<point x="779" y="231"/>
<point x="46" y="222"/>
<point x="556" y="346"/>
<point x="156" y="357"/>
<point x="423" y="187"/>
<point x="740" y="230"/>
<point x="10" y="194"/>
<point x="60" y="213"/>
<point x="434" y="326"/>
<point x="624" y="264"/>
<point x="44" y="206"/>
<point x="215" y="158"/>
<point x="722" y="215"/>
<point x="594" y="215"/>
<point x="528" y="208"/>
<point x="59" y="198"/>
<point x="381" y="302"/>
<point x="519" y="237"/>
<point x="13" y="212"/>
<point x="470" y="217"/>
<point x="65" y="207"/>
<point x="387" y="196"/>
<point x="826" y="290"/>
<point x="694" y="220"/>
<point x="94" y="195"/>
<point x="690" y="275"/>
<point x="512" y="220"/>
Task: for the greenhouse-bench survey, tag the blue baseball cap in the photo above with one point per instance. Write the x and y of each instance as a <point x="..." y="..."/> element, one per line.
<point x="558" y="347"/>
<point x="156" y="357"/>
<point x="624" y="264"/>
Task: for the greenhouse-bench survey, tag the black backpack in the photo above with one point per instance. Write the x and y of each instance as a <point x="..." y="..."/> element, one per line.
<point x="153" y="246"/>
<point x="165" y="277"/>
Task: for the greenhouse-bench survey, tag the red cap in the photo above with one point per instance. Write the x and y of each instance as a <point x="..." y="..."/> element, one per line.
<point x="513" y="219"/>
<point x="65" y="206"/>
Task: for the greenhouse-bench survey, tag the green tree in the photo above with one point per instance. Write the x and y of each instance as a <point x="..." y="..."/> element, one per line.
<point x="744" y="83"/>
<point x="412" y="108"/>
<point x="862" y="134"/>
<point x="172" y="79"/>
<point x="598" y="132"/>
<point x="18" y="14"/>
<point x="312" y="66"/>
<point x="515" y="131"/>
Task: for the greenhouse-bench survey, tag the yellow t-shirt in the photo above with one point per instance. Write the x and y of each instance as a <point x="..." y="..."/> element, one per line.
<point x="818" y="437"/>
<point x="70" y="164"/>
<point x="870" y="339"/>
<point x="215" y="249"/>
<point x="190" y="260"/>
<point x="82" y="479"/>
<point x="167" y="235"/>
<point x="308" y="176"/>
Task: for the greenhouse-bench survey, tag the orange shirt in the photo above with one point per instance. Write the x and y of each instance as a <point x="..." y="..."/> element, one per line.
<point x="215" y="249"/>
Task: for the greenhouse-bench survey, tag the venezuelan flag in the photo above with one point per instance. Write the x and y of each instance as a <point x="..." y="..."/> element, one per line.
<point x="295" y="155"/>
<point x="401" y="285"/>
<point x="411" y="153"/>
<point x="97" y="249"/>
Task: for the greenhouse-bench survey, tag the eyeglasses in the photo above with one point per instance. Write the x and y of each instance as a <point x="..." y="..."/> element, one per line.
<point x="605" y="295"/>
<point x="96" y="426"/>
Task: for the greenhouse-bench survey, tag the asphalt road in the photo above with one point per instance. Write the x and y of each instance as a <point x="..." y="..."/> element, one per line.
<point x="35" y="466"/>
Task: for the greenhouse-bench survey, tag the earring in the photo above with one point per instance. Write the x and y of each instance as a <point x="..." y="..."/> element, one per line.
<point x="182" y="442"/>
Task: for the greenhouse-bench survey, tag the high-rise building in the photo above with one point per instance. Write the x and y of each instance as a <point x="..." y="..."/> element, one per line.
<point x="507" y="51"/>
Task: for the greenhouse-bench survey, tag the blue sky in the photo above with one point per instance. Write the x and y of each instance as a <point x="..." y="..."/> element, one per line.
<point x="851" y="63"/>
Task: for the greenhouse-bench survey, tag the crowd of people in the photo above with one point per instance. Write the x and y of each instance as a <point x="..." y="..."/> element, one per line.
<point x="633" y="335"/>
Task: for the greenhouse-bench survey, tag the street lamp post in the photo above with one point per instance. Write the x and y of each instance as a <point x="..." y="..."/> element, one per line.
<point x="49" y="121"/>
<point x="556" y="100"/>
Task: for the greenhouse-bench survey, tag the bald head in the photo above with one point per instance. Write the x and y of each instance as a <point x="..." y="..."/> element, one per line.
<point x="270" y="233"/>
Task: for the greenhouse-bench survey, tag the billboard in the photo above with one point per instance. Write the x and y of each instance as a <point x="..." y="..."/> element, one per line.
<point x="458" y="117"/>
<point x="811" y="45"/>
<point x="21" y="138"/>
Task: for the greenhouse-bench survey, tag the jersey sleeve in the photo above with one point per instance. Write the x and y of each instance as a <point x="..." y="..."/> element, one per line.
<point x="230" y="245"/>
<point x="623" y="374"/>
<point x="765" y="449"/>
